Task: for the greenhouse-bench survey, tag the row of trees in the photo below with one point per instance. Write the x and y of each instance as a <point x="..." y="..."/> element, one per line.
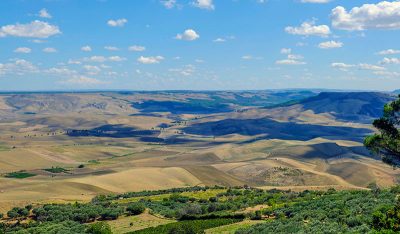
<point x="63" y="216"/>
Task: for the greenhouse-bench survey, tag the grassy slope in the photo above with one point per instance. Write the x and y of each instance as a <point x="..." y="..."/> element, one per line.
<point x="133" y="223"/>
<point x="232" y="228"/>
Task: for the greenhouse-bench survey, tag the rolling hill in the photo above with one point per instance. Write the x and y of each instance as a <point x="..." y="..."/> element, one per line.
<point x="108" y="142"/>
<point x="348" y="106"/>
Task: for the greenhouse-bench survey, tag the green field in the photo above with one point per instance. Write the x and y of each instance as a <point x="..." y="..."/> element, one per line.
<point x="189" y="226"/>
<point x="159" y="197"/>
<point x="197" y="195"/>
<point x="232" y="228"/>
<point x="204" y="194"/>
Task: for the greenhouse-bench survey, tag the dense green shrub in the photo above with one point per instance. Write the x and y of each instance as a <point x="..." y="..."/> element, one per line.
<point x="19" y="175"/>
<point x="136" y="208"/>
<point x="190" y="210"/>
<point x="66" y="227"/>
<point x="387" y="218"/>
<point x="99" y="228"/>
<point x="287" y="212"/>
<point x="78" y="212"/>
<point x="56" y="170"/>
<point x="256" y="215"/>
<point x="334" y="212"/>
<point x="18" y="212"/>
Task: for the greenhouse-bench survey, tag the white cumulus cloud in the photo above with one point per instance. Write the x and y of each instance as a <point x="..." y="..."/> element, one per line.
<point x="188" y="35"/>
<point x="150" y="60"/>
<point x="86" y="48"/>
<point x="111" y="48"/>
<point x="371" y="67"/>
<point x="286" y="51"/>
<point x="116" y="59"/>
<point x="330" y="44"/>
<point x="117" y="22"/>
<point x="92" y="70"/>
<point x="219" y="40"/>
<point x="387" y="74"/>
<point x="24" y="50"/>
<point x="224" y="39"/>
<point x="251" y="57"/>
<point x="342" y="66"/>
<point x="74" y="61"/>
<point x="389" y="52"/>
<point x="35" y="29"/>
<point x="390" y="61"/>
<point x="204" y="4"/>
<point x="309" y="29"/>
<point x="17" y="67"/>
<point x="169" y="4"/>
<point x="290" y="62"/>
<point x="382" y="15"/>
<point x="62" y="71"/>
<point x="136" y="48"/>
<point x="95" y="58"/>
<point x="292" y="59"/>
<point x="43" y="13"/>
<point x="187" y="70"/>
<point x="102" y="59"/>
<point x="360" y="66"/>
<point x="49" y="50"/>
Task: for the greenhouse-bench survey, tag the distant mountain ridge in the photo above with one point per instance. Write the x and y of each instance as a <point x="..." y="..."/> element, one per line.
<point x="397" y="91"/>
<point x="348" y="106"/>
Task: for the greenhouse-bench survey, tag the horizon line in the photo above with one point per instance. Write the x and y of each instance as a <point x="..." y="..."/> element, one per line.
<point x="190" y="90"/>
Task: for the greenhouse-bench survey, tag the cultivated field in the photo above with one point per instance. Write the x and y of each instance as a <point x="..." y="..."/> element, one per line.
<point x="58" y="147"/>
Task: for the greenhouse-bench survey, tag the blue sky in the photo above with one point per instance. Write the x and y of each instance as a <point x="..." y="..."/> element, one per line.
<point x="199" y="44"/>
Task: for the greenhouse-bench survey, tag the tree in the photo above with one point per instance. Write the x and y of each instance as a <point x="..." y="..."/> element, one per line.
<point x="12" y="214"/>
<point x="189" y="210"/>
<point x="135" y="208"/>
<point x="386" y="143"/>
<point x="29" y="207"/>
<point x="111" y="213"/>
<point x="256" y="215"/>
<point x="17" y="212"/>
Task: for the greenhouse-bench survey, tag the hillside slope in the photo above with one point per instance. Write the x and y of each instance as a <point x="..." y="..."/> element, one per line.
<point x="348" y="106"/>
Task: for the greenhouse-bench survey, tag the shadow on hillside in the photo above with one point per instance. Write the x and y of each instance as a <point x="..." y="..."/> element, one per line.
<point x="112" y="131"/>
<point x="192" y="106"/>
<point x="360" y="107"/>
<point x="271" y="129"/>
<point x="120" y="131"/>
